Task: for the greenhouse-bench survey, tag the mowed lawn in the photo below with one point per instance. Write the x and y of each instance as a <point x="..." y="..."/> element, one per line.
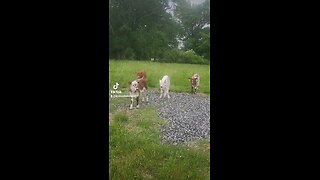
<point x="135" y="148"/>
<point x="136" y="151"/>
<point x="125" y="71"/>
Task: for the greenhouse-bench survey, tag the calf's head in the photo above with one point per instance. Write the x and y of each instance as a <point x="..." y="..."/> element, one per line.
<point x="133" y="86"/>
<point x="141" y="74"/>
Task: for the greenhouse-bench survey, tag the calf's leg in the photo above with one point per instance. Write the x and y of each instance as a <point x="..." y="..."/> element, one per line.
<point x="138" y="102"/>
<point x="145" y="93"/>
<point x="131" y="105"/>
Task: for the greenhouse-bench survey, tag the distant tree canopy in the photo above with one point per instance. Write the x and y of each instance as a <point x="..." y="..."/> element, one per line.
<point x="144" y="29"/>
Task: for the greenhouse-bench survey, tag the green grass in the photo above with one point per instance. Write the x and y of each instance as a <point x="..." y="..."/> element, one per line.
<point x="135" y="150"/>
<point x="121" y="118"/>
<point x="124" y="71"/>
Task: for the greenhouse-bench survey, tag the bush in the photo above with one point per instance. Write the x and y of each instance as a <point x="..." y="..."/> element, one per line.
<point x="192" y="58"/>
<point x="167" y="56"/>
<point x="179" y="56"/>
<point x="172" y="56"/>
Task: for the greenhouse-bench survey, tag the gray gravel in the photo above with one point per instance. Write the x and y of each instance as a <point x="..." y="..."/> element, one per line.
<point x="188" y="116"/>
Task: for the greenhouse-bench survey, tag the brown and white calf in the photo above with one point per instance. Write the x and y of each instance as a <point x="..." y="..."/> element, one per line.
<point x="143" y="84"/>
<point x="134" y="92"/>
<point x="138" y="88"/>
<point x="195" y="81"/>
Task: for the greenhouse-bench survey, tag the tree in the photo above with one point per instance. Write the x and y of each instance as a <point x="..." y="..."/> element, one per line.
<point x="140" y="29"/>
<point x="195" y="20"/>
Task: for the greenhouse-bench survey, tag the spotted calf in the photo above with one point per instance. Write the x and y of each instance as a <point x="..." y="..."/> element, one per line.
<point x="134" y="92"/>
<point x="195" y="81"/>
<point x="138" y="88"/>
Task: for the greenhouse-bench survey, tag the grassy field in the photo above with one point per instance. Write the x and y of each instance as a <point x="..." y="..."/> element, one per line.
<point x="124" y="71"/>
<point x="135" y="149"/>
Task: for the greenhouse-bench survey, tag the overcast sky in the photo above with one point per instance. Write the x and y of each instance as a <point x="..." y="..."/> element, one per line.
<point x="196" y="1"/>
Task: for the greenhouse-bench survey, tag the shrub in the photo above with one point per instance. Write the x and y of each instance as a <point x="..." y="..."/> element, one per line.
<point x="192" y="58"/>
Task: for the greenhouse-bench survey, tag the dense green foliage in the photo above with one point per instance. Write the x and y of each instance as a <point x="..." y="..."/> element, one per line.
<point x="145" y="29"/>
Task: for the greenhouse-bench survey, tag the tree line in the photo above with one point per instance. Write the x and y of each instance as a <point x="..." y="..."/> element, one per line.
<point x="163" y="30"/>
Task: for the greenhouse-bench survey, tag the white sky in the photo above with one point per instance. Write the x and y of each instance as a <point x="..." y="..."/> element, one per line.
<point x="196" y="1"/>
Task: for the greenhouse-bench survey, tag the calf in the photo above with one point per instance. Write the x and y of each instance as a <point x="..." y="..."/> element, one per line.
<point x="165" y="86"/>
<point x="195" y="81"/>
<point x="134" y="92"/>
<point x="138" y="88"/>
<point x="143" y="83"/>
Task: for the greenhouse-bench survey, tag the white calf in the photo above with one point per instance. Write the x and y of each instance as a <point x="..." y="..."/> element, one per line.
<point x="165" y="86"/>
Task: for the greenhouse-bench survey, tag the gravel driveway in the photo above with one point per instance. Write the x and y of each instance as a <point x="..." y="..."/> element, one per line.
<point x="188" y="116"/>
